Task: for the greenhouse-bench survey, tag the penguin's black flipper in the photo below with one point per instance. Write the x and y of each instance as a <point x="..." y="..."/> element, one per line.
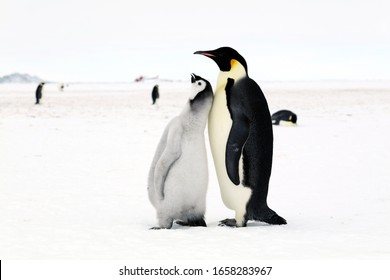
<point x="236" y="140"/>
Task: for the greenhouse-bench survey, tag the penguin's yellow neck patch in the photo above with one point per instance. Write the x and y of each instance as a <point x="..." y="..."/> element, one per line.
<point x="237" y="70"/>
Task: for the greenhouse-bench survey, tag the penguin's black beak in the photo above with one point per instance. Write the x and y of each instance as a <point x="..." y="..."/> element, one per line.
<point x="195" y="78"/>
<point x="206" y="53"/>
<point x="213" y="55"/>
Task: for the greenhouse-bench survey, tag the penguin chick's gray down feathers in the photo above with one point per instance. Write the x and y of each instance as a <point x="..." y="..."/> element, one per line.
<point x="178" y="175"/>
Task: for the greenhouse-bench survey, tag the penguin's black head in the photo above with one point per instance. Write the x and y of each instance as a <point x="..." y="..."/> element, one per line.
<point x="201" y="89"/>
<point x="223" y="57"/>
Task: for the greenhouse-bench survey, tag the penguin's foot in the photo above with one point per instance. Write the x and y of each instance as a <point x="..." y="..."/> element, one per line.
<point x="230" y="223"/>
<point x="156" y="228"/>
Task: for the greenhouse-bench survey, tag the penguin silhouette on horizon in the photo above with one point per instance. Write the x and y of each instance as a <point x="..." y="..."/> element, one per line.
<point x="155" y="94"/>
<point x="38" y="92"/>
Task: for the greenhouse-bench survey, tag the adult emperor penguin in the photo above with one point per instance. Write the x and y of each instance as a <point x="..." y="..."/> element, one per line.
<point x="155" y="94"/>
<point x="38" y="92"/>
<point x="241" y="140"/>
<point x="178" y="176"/>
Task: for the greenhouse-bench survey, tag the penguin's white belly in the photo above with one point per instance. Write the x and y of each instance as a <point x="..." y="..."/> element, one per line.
<point x="186" y="184"/>
<point x="220" y="123"/>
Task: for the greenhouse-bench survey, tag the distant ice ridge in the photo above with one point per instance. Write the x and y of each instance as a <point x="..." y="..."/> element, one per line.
<point x="20" y="78"/>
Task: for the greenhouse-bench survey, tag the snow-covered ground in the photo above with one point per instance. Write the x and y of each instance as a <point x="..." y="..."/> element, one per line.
<point x="73" y="175"/>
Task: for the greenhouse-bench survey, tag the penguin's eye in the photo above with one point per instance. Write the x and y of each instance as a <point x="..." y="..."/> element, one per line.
<point x="199" y="83"/>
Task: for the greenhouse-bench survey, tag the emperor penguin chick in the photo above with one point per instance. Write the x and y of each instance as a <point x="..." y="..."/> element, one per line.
<point x="178" y="175"/>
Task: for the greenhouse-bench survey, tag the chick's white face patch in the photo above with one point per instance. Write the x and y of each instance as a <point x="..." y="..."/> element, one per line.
<point x="197" y="87"/>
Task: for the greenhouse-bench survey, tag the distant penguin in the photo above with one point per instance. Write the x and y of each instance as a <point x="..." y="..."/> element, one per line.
<point x="178" y="176"/>
<point x="241" y="140"/>
<point x="38" y="92"/>
<point x="284" y="118"/>
<point x="155" y="94"/>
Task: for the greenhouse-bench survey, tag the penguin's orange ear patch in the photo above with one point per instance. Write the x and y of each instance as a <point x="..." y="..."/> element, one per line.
<point x="233" y="62"/>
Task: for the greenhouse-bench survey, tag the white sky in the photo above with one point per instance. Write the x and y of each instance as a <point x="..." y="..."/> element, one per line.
<point x="117" y="40"/>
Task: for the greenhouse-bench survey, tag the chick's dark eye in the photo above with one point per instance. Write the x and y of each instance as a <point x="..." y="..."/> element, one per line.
<point x="199" y="83"/>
